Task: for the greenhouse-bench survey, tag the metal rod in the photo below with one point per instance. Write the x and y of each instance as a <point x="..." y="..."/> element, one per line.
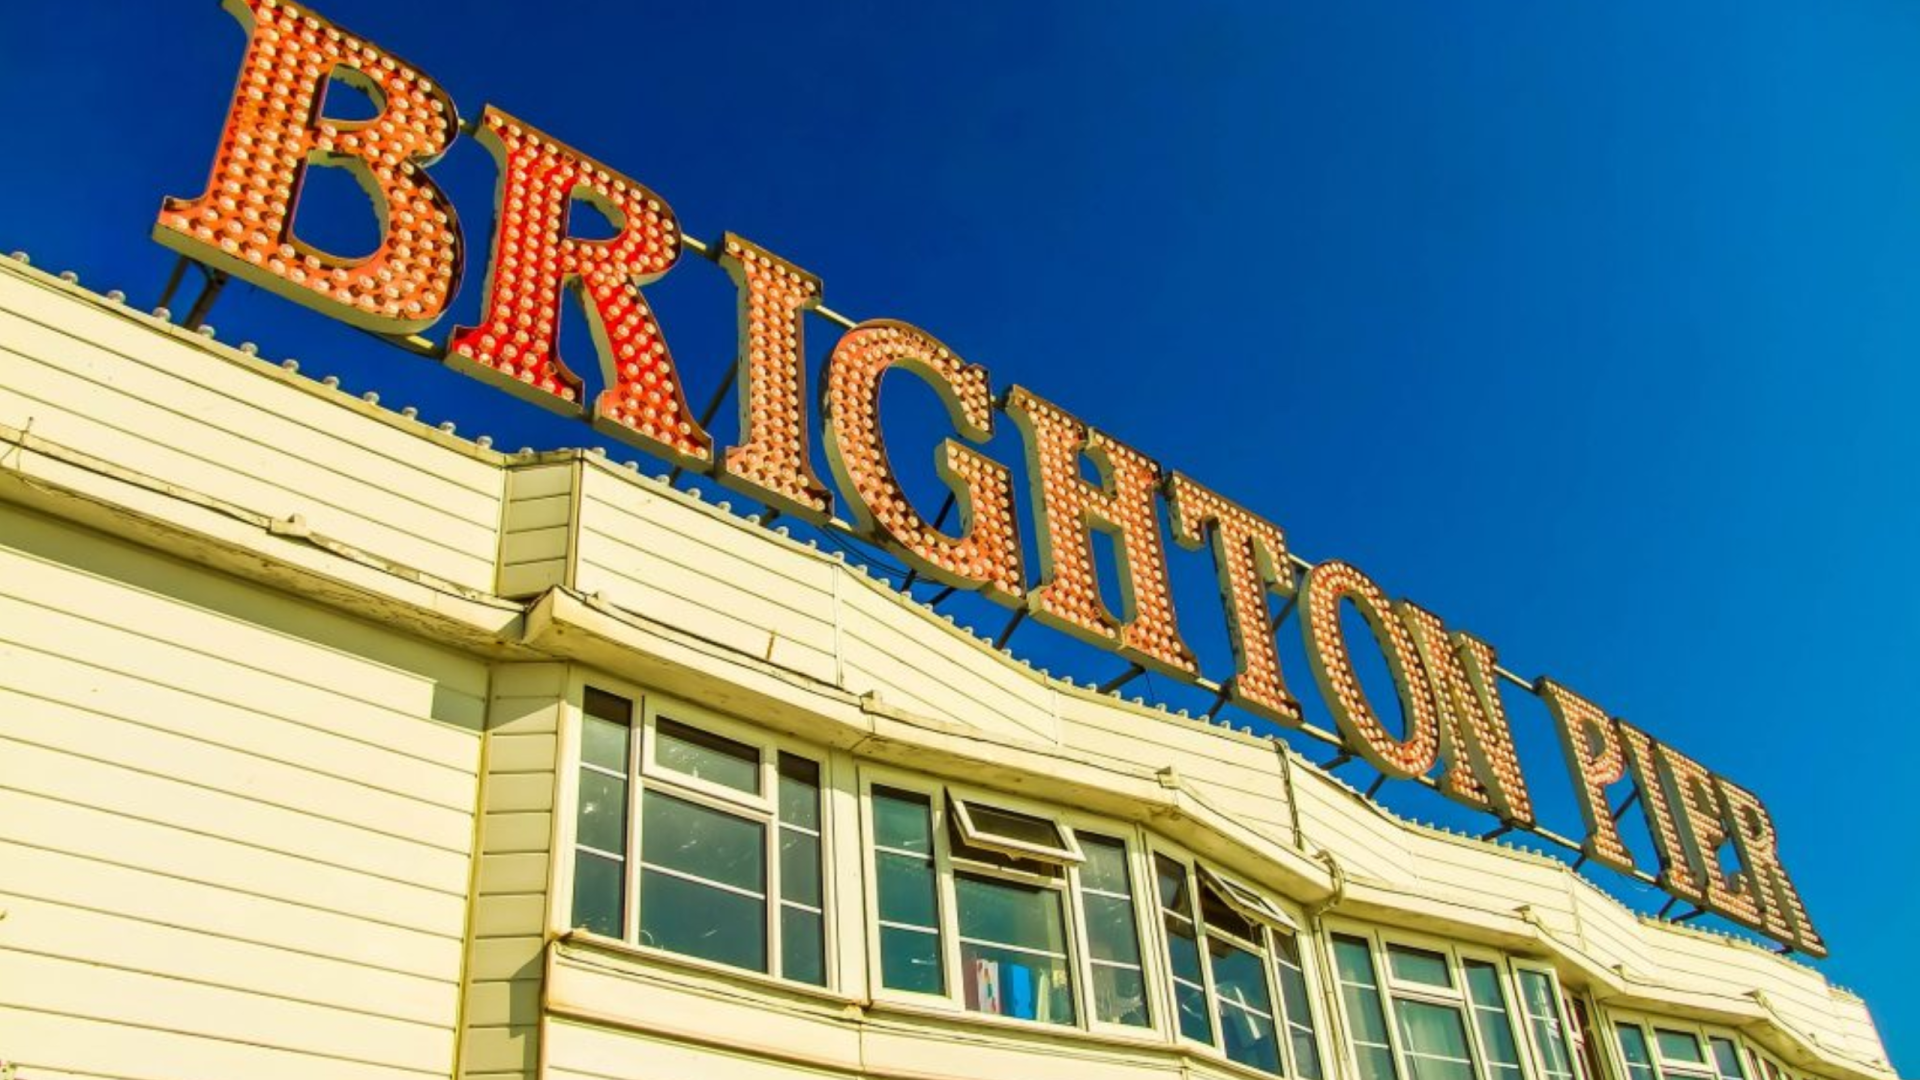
<point x="939" y="519"/>
<point x="202" y="304"/>
<point x="1012" y="625"/>
<point x="1133" y="672"/>
<point x="1336" y="761"/>
<point x="1495" y="834"/>
<point x="1285" y="611"/>
<point x="1219" y="702"/>
<point x="834" y="317"/>
<point x="1378" y="783"/>
<point x="174" y="278"/>
<point x="1581" y="861"/>
<point x="939" y="596"/>
<point x="712" y="410"/>
<point x="1626" y="804"/>
<point x="1691" y="915"/>
<point x="1668" y="906"/>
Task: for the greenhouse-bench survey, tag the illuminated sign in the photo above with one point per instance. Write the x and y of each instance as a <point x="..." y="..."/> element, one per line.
<point x="1447" y="683"/>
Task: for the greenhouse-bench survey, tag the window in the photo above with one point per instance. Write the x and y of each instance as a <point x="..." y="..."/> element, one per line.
<point x="905" y="884"/>
<point x="982" y="888"/>
<point x="600" y="820"/>
<point x="1439" y="1013"/>
<point x="1113" y="936"/>
<point x="727" y="866"/>
<point x="1366" y="1014"/>
<point x="1675" y="1050"/>
<point x="1252" y="991"/>
<point x="1541" y="1007"/>
<point x="1586" y="1049"/>
<point x="1429" y="1015"/>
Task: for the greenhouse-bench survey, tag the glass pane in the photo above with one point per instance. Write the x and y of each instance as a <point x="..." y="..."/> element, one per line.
<point x="707" y="756"/>
<point x="1120" y="996"/>
<point x="991" y="821"/>
<point x="905" y="887"/>
<point x="603" y="812"/>
<point x="1490" y="1016"/>
<point x="1678" y="1046"/>
<point x="1005" y="913"/>
<point x="699" y="920"/>
<point x="1106" y="865"/>
<point x="910" y="960"/>
<point x="1183" y="952"/>
<point x="1376" y="1062"/>
<point x="799" y="867"/>
<point x="1297" y="1011"/>
<point x="604" y="743"/>
<point x="1249" y="1039"/>
<point x="1171" y="880"/>
<point x="1633" y="1047"/>
<point x="1434" y="1039"/>
<point x="1419" y="966"/>
<point x="599" y="893"/>
<point x="800" y="792"/>
<point x="1110" y="929"/>
<point x="902" y="820"/>
<point x="1195" y="1023"/>
<point x="1239" y="978"/>
<point x="1220" y="915"/>
<point x="1726" y="1058"/>
<point x="1359" y="993"/>
<point x="605" y="706"/>
<point x="1002" y="982"/>
<point x="803" y="947"/>
<point x="706" y="843"/>
<point x="1306" y="1053"/>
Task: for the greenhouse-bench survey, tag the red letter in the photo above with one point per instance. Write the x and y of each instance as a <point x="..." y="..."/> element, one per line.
<point x="1250" y="561"/>
<point x="516" y="344"/>
<point x="772" y="462"/>
<point x="1326" y="586"/>
<point x="986" y="554"/>
<point x="275" y="130"/>
<point x="1476" y="744"/>
<point x="1594" y="760"/>
<point x="1066" y="508"/>
<point x="1784" y="916"/>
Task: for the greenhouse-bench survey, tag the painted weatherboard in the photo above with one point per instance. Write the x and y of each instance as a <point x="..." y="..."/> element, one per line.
<point x="236" y="828"/>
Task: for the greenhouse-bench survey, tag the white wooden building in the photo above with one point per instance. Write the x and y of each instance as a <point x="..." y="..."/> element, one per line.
<point x="333" y="747"/>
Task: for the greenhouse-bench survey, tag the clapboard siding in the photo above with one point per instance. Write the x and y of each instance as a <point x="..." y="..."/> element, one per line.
<point x="913" y="661"/>
<point x="102" y="384"/>
<point x="271" y="882"/>
<point x="537" y="528"/>
<point x="681" y="566"/>
<point x="509" y="923"/>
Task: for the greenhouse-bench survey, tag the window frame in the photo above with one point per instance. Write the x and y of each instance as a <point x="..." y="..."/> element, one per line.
<point x="942" y="798"/>
<point x="1380" y="941"/>
<point x="1270" y="916"/>
<point x="645" y="774"/>
<point x="1562" y="1015"/>
<point x="1665" y="1068"/>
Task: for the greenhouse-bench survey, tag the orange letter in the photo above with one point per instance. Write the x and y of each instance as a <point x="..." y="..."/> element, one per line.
<point x="275" y="130"/>
<point x="1066" y="508"/>
<point x="986" y="554"/>
<point x="1784" y="916"/>
<point x="772" y="462"/>
<point x="1677" y="871"/>
<point x="1250" y="561"/>
<point x="1705" y="826"/>
<point x="535" y="256"/>
<point x="1326" y="586"/>
<point x="1594" y="760"/>
<point x="1476" y="744"/>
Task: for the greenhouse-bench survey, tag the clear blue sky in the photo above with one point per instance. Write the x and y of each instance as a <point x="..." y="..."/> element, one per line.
<point x="1592" y="327"/>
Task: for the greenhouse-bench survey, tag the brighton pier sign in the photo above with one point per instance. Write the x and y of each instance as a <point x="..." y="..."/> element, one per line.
<point x="1447" y="683"/>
